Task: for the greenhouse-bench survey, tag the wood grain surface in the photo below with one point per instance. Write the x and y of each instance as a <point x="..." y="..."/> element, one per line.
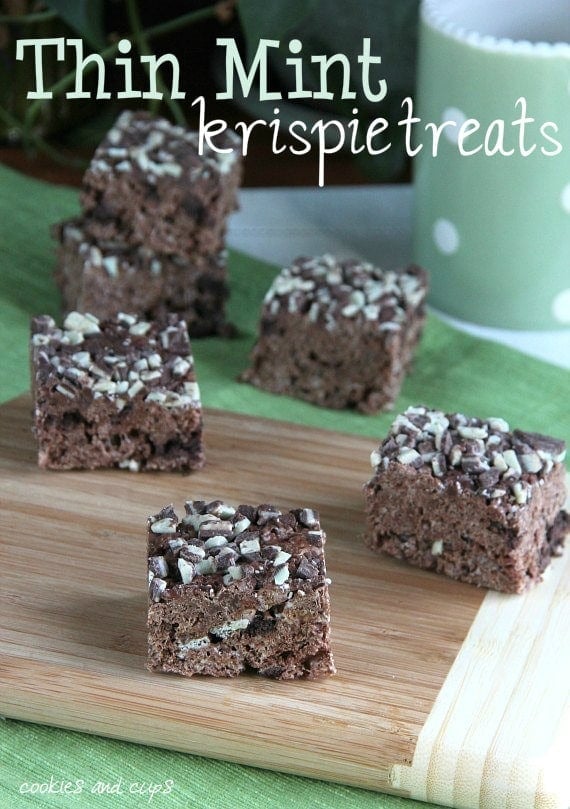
<point x="407" y="643"/>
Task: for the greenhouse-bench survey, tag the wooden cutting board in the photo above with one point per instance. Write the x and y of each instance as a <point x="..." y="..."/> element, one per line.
<point x="444" y="692"/>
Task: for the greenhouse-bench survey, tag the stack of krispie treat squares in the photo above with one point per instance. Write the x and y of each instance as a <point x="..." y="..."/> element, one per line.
<point x="151" y="236"/>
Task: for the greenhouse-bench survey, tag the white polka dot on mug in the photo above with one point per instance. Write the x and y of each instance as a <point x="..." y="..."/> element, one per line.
<point x="445" y="236"/>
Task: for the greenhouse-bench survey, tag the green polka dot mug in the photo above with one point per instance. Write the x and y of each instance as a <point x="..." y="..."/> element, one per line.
<point x="492" y="171"/>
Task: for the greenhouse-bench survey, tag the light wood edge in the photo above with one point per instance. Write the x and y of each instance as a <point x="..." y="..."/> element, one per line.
<point x="512" y="670"/>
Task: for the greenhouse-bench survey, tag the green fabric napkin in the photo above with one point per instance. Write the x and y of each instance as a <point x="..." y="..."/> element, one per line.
<point x="453" y="371"/>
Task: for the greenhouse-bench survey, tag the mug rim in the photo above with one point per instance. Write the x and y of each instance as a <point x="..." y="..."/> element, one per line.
<point x="432" y="14"/>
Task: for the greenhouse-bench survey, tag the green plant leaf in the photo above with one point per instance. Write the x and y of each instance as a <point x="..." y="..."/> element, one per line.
<point x="261" y="19"/>
<point x="84" y="16"/>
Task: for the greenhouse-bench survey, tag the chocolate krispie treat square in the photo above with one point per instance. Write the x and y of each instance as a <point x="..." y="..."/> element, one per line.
<point x="111" y="276"/>
<point x="148" y="184"/>
<point x="469" y="498"/>
<point x="340" y="334"/>
<point x="115" y="393"/>
<point x="235" y="590"/>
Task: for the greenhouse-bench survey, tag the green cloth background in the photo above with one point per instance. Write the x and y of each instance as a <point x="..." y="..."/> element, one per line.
<point x="453" y="371"/>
